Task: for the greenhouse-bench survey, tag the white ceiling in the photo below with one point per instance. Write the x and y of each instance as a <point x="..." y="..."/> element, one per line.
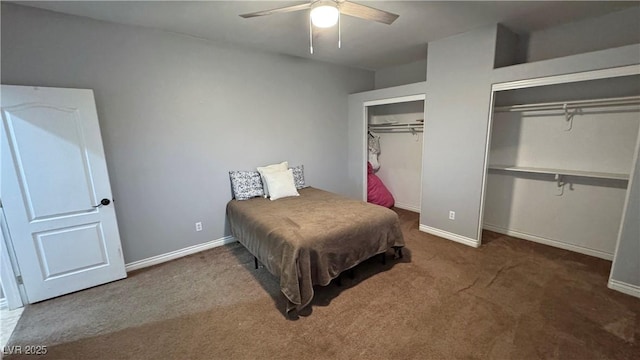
<point x="365" y="44"/>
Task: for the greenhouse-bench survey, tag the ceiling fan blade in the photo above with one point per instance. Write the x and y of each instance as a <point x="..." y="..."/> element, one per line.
<point x="367" y="13"/>
<point x="278" y="10"/>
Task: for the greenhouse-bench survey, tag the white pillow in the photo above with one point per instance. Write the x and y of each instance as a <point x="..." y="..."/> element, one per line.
<point x="281" y="184"/>
<point x="283" y="166"/>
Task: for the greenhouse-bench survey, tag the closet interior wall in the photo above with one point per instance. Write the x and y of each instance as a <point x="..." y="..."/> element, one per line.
<point x="401" y="149"/>
<point x="560" y="176"/>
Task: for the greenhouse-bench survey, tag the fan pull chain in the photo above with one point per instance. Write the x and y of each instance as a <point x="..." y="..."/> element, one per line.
<point x="339" y="30"/>
<point x="310" y="35"/>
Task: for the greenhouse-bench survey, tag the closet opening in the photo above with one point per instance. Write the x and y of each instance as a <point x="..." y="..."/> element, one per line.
<point x="394" y="149"/>
<point x="560" y="155"/>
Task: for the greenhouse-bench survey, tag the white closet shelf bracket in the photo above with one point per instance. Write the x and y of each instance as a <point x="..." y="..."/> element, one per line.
<point x="568" y="116"/>
<point x="560" y="183"/>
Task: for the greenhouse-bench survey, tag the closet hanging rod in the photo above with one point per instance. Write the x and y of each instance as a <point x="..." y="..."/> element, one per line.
<point x="560" y="105"/>
<point x="416" y="129"/>
<point x="400" y="125"/>
<point x="392" y="127"/>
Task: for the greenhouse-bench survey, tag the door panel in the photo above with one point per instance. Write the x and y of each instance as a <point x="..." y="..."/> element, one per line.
<point x="59" y="131"/>
<point x="53" y="176"/>
<point x="85" y="239"/>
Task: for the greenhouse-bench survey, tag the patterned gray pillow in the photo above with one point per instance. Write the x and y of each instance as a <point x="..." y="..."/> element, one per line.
<point x="246" y="184"/>
<point x="298" y="176"/>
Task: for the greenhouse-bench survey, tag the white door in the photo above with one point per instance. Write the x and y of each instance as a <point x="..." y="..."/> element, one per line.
<point x="54" y="178"/>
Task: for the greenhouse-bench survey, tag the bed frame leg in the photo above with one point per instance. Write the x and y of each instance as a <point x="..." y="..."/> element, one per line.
<point x="399" y="253"/>
<point x="255" y="262"/>
<point x="350" y="273"/>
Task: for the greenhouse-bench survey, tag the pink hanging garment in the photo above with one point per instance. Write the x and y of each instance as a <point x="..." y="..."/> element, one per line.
<point x="377" y="193"/>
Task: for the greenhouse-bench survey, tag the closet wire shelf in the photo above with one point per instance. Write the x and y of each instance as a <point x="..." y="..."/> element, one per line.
<point x="411" y="127"/>
<point x="564" y="105"/>
<point x="564" y="172"/>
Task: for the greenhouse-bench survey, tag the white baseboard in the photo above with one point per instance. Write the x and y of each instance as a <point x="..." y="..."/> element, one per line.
<point x="633" y="290"/>
<point x="550" y="242"/>
<point x="4" y="304"/>
<point x="407" y="207"/>
<point x="159" y="259"/>
<point x="450" y="236"/>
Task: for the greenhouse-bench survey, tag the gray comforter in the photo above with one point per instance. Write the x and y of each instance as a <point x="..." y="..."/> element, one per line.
<point x="310" y="239"/>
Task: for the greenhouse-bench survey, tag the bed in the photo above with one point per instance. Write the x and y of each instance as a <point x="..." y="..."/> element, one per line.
<point x="310" y="239"/>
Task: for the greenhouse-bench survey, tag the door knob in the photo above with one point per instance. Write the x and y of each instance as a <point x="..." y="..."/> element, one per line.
<point x="103" y="202"/>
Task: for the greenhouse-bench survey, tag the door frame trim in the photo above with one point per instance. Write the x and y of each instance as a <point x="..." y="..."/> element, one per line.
<point x="10" y="287"/>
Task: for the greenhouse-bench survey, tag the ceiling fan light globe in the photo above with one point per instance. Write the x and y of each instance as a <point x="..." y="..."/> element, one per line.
<point x="325" y="16"/>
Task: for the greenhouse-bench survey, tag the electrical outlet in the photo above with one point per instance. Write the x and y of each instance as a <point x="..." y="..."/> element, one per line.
<point x="198" y="226"/>
<point x="452" y="215"/>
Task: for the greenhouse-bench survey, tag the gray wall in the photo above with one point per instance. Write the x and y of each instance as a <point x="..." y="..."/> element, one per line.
<point x="177" y="113"/>
<point x="409" y="107"/>
<point x="401" y="75"/>
<point x="456" y="114"/>
<point x="612" y="30"/>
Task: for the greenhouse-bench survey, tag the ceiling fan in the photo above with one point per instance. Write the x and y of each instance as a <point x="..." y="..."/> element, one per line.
<point x="326" y="13"/>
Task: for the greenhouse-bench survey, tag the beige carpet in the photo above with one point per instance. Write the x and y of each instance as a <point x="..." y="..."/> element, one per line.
<point x="509" y="299"/>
